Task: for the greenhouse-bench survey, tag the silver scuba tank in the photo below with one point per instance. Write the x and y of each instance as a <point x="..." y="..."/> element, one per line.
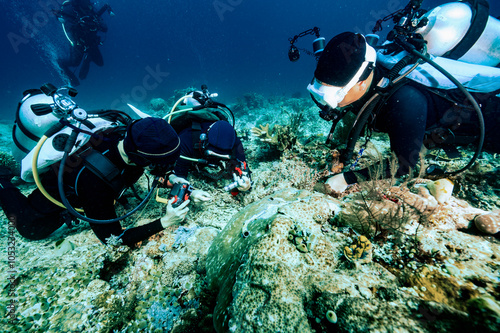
<point x="34" y="117"/>
<point x="451" y="24"/>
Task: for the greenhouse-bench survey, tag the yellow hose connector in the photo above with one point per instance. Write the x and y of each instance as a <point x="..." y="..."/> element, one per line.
<point x="36" y="176"/>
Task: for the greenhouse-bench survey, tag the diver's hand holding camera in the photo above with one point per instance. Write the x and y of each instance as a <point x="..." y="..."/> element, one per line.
<point x="174" y="215"/>
<point x="173" y="179"/>
<point x="243" y="181"/>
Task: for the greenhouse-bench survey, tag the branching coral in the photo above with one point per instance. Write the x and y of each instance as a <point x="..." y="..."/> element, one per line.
<point x="8" y="161"/>
<point x="374" y="210"/>
<point x="280" y="137"/>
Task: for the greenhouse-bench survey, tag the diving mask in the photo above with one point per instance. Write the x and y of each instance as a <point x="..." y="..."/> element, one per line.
<point x="330" y="95"/>
<point x="326" y="94"/>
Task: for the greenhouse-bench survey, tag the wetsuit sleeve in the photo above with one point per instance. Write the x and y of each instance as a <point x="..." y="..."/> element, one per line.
<point x="34" y="217"/>
<point x="404" y="118"/>
<point x="240" y="151"/>
<point x="98" y="200"/>
<point x="182" y="165"/>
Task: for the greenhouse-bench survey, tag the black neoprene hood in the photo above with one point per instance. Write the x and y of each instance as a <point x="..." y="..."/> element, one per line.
<point x="343" y="56"/>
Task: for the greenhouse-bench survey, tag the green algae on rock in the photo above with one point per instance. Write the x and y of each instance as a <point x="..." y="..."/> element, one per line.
<point x="269" y="222"/>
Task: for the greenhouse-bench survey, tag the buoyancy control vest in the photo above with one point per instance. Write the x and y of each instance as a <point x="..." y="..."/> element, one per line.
<point x="197" y="107"/>
<point x="46" y="108"/>
<point x="190" y="111"/>
<point x="474" y="77"/>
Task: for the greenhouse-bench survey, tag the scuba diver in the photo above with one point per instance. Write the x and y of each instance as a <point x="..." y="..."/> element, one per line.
<point x="413" y="109"/>
<point x="94" y="178"/>
<point x="82" y="25"/>
<point x="209" y="144"/>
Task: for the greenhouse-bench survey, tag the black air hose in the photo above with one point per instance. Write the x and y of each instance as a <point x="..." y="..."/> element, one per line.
<point x="407" y="60"/>
<point x="471" y="100"/>
<point x="60" y="183"/>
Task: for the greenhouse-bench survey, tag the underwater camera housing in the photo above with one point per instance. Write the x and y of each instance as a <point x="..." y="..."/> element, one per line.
<point x="293" y="53"/>
<point x="318" y="45"/>
<point x="181" y="192"/>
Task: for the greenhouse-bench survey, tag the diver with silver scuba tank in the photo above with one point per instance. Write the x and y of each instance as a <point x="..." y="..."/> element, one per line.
<point x="445" y="100"/>
<point x="82" y="162"/>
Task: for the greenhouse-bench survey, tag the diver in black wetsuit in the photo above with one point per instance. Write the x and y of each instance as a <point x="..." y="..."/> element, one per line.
<point x="210" y="144"/>
<point x="82" y="25"/>
<point x="346" y="76"/>
<point x="148" y="142"/>
<point x="222" y="140"/>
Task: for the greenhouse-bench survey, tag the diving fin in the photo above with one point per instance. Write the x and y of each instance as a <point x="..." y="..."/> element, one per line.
<point x="452" y="152"/>
<point x="138" y="112"/>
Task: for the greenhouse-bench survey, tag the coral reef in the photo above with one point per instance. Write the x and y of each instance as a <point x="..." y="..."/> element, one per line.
<point x="249" y="101"/>
<point x="178" y="93"/>
<point x="302" y="239"/>
<point x="281" y="137"/>
<point x="269" y="222"/>
<point x="7" y="160"/>
<point x="273" y="259"/>
<point x="158" y="105"/>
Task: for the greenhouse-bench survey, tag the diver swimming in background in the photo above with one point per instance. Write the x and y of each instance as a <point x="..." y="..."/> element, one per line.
<point x="82" y="25"/>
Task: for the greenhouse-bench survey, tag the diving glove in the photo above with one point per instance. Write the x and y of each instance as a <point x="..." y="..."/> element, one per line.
<point x="199" y="196"/>
<point x="337" y="183"/>
<point x="174" y="215"/>
<point x="243" y="181"/>
<point x="174" y="179"/>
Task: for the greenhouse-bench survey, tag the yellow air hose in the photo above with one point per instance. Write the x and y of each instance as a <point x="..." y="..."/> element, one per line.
<point x="172" y="112"/>
<point x="36" y="176"/>
<point x="169" y="115"/>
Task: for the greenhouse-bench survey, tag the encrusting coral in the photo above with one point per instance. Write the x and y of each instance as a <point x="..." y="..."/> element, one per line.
<point x="360" y="252"/>
<point x="157" y="104"/>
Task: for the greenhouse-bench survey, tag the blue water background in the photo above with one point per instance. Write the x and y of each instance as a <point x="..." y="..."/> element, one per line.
<point x="233" y="46"/>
